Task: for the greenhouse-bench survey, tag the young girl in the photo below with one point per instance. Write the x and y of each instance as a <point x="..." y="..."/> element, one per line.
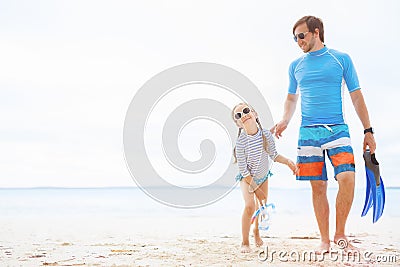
<point x="253" y="147"/>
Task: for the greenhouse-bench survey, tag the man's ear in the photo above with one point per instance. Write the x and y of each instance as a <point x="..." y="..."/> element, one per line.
<point x="316" y="31"/>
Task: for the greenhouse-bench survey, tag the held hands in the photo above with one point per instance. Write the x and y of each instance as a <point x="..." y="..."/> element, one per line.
<point x="293" y="166"/>
<point x="283" y="160"/>
<point x="279" y="128"/>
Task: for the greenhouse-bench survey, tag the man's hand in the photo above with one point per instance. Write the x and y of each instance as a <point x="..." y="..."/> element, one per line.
<point x="289" y="108"/>
<point x="279" y="128"/>
<point x="369" y="140"/>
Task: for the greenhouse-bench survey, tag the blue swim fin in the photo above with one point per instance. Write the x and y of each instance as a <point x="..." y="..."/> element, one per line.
<point x="368" y="198"/>
<point x="375" y="190"/>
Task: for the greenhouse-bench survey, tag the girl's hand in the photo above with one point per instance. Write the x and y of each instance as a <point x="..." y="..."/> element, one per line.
<point x="254" y="188"/>
<point x="293" y="166"/>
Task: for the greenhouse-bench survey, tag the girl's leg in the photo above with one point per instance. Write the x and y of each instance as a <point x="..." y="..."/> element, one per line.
<point x="264" y="192"/>
<point x="249" y="208"/>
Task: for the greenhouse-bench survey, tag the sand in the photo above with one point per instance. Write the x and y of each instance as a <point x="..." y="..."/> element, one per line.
<point x="182" y="241"/>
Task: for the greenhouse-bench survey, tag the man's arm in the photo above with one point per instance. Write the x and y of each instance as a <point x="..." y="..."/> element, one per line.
<point x="362" y="112"/>
<point x="289" y="109"/>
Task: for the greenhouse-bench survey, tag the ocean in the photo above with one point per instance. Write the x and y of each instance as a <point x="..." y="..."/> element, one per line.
<point x="125" y="202"/>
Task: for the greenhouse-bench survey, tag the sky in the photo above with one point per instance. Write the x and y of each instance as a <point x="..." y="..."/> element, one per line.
<point x="69" y="70"/>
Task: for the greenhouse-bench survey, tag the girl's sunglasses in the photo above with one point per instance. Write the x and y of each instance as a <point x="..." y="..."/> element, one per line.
<point x="245" y="111"/>
<point x="301" y="36"/>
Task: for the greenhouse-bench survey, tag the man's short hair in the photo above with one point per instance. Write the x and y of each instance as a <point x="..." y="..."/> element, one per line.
<point x="312" y="24"/>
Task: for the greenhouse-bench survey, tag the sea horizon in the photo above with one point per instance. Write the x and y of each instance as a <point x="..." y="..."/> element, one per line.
<point x="134" y="201"/>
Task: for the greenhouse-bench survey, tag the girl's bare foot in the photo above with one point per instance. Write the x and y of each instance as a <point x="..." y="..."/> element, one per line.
<point x="257" y="238"/>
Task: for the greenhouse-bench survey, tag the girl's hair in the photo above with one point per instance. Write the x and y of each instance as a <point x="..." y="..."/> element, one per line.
<point x="265" y="142"/>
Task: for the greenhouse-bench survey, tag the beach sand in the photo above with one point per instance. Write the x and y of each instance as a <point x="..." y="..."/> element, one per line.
<point x="182" y="241"/>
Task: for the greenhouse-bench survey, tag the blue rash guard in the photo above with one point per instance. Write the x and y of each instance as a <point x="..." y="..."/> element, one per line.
<point x="319" y="76"/>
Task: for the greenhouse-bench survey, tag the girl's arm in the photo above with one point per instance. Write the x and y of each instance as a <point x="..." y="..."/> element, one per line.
<point x="288" y="162"/>
<point x="277" y="157"/>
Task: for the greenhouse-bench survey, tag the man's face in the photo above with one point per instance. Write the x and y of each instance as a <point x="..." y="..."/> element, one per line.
<point x="308" y="42"/>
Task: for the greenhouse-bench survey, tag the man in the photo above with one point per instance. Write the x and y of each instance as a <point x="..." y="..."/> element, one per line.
<point x="318" y="75"/>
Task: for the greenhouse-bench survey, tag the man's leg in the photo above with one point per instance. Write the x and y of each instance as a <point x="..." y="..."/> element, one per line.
<point x="311" y="163"/>
<point x="344" y="200"/>
<point x="341" y="156"/>
<point x="321" y="210"/>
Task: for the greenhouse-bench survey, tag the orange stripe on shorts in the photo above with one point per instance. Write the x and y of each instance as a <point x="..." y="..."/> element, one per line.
<point x="342" y="158"/>
<point x="310" y="168"/>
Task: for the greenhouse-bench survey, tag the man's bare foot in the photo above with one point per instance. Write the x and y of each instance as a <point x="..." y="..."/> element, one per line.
<point x="343" y="243"/>
<point x="245" y="248"/>
<point x="257" y="238"/>
<point x="323" y="248"/>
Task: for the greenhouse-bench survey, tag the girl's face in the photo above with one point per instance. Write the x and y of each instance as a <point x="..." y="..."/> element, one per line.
<point x="244" y="116"/>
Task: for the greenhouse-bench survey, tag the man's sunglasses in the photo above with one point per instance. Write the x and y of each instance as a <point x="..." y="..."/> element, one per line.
<point x="301" y="36"/>
<point x="245" y="111"/>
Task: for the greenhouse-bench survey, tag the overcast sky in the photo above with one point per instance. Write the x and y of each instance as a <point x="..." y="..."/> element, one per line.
<point x="69" y="69"/>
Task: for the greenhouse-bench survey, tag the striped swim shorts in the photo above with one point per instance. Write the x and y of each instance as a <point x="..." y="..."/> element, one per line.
<point x="314" y="142"/>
